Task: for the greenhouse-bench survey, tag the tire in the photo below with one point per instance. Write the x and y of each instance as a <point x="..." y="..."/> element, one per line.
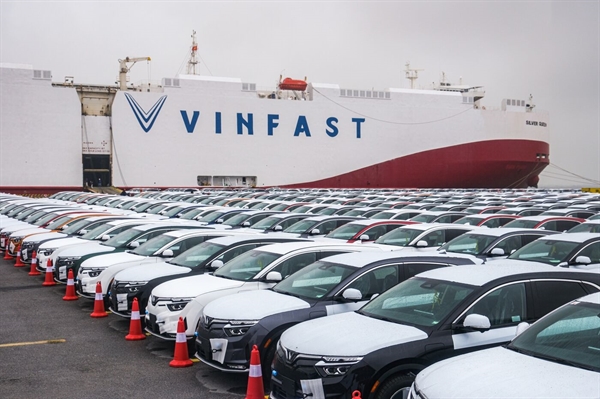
<point x="396" y="387"/>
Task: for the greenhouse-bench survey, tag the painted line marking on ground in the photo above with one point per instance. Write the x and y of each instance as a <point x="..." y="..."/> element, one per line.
<point x="48" y="341"/>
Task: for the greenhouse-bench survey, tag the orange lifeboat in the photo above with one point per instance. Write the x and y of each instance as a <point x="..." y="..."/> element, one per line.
<point x="292" y="84"/>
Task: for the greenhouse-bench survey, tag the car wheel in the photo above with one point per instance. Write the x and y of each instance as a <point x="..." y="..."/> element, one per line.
<point x="396" y="387"/>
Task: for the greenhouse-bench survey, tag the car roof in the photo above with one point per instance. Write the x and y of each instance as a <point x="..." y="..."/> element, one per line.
<point x="591" y="298"/>
<point x="286" y="247"/>
<point x="573" y="237"/>
<point x="332" y="217"/>
<point x="540" y="218"/>
<point x="234" y="239"/>
<point x="198" y="231"/>
<point x="479" y="275"/>
<point x="501" y="231"/>
<point x="361" y="259"/>
<point x="431" y="226"/>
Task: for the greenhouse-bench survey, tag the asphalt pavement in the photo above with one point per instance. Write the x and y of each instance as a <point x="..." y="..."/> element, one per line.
<point x="51" y="348"/>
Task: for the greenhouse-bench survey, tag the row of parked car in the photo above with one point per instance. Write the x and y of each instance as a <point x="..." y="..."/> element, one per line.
<point x="342" y="301"/>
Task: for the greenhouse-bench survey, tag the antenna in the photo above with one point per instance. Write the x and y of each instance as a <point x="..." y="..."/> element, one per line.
<point x="192" y="62"/>
<point x="411" y="74"/>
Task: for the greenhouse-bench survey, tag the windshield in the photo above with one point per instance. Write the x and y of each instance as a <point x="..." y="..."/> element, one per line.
<point x="468" y="244"/>
<point x="266" y="223"/>
<point x="301" y="227"/>
<point x="422" y="218"/>
<point x="315" y="280"/>
<point x="522" y="224"/>
<point x="189" y="215"/>
<point x="469" y="220"/>
<point x="302" y="209"/>
<point x="400" y="237"/>
<point x="156" y="209"/>
<point x="173" y="211"/>
<point x="76" y="226"/>
<point x="384" y="215"/>
<point x="417" y="301"/>
<point x="122" y="238"/>
<point x="58" y="222"/>
<point x="196" y="255"/>
<point x="45" y="219"/>
<point x="96" y="232"/>
<point x="237" y="220"/>
<point x="211" y="217"/>
<point x="247" y="265"/>
<point x="586" y="228"/>
<point x="551" y="252"/>
<point x="346" y="231"/>
<point x="568" y="335"/>
<point x="152" y="245"/>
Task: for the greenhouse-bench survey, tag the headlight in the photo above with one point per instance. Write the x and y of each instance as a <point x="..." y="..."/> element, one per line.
<point x="135" y="286"/>
<point x="90" y="271"/>
<point x="46" y="251"/>
<point x="336" y="366"/>
<point x="178" y="305"/>
<point x="414" y="392"/>
<point x="70" y="261"/>
<point x="238" y="327"/>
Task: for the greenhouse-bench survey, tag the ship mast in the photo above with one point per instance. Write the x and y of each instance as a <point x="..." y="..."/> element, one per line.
<point x="192" y="62"/>
<point x="411" y="74"/>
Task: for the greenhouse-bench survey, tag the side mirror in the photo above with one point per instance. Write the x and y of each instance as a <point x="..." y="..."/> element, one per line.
<point x="477" y="322"/>
<point x="246" y="224"/>
<point x="134" y="244"/>
<point x="583" y="260"/>
<point x="274" y="277"/>
<point x="521" y="327"/>
<point x="364" y="237"/>
<point x="167" y="253"/>
<point x="277" y="228"/>
<point x="352" y="294"/>
<point x="497" y="252"/>
<point x="105" y="237"/>
<point x="219" y="221"/>
<point x="422" y="244"/>
<point x="315" y="232"/>
<point x="83" y="231"/>
<point x="215" y="264"/>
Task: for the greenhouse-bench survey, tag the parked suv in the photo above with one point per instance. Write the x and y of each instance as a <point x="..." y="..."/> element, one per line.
<point x="435" y="315"/>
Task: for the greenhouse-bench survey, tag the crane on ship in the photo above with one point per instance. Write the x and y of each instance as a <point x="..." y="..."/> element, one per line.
<point x="124" y="68"/>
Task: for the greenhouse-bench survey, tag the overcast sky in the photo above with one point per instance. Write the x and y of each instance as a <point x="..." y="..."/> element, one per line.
<point x="549" y="49"/>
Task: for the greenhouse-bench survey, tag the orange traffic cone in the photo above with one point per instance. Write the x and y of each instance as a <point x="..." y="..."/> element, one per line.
<point x="33" y="270"/>
<point x="135" y="326"/>
<point x="70" y="294"/>
<point x="99" y="303"/>
<point x="18" y="262"/>
<point x="49" y="280"/>
<point x="255" y="389"/>
<point x="6" y="254"/>
<point x="181" y="358"/>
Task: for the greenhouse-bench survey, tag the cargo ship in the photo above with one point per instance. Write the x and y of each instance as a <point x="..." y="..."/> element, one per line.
<point x="197" y="131"/>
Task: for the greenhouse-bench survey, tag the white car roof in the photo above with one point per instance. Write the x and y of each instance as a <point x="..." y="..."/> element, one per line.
<point x="360" y="259"/>
<point x="500" y="231"/>
<point x="573" y="237"/>
<point x="286" y="247"/>
<point x="479" y="275"/>
<point x="591" y="298"/>
<point x="432" y="226"/>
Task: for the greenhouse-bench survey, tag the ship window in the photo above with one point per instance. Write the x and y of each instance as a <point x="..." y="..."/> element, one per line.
<point x="381" y="94"/>
<point x="368" y="94"/>
<point x="355" y="94"/>
<point x="244" y="86"/>
<point x="37" y="74"/>
<point x="167" y="82"/>
<point x="253" y="86"/>
<point x="343" y="92"/>
<point x="512" y="102"/>
<point x="175" y="82"/>
<point x="47" y="75"/>
<point x="362" y="93"/>
<point x="387" y="95"/>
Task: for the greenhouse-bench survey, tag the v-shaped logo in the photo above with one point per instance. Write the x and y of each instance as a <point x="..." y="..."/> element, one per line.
<point x="145" y="119"/>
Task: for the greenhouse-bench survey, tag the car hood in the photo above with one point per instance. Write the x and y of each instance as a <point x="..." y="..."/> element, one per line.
<point x="110" y="259"/>
<point x="45" y="236"/>
<point x="253" y="305"/>
<point x="84" y="249"/>
<point x="63" y="242"/>
<point x="192" y="286"/>
<point x="29" y="230"/>
<point x="347" y="334"/>
<point x="502" y="373"/>
<point x="150" y="271"/>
